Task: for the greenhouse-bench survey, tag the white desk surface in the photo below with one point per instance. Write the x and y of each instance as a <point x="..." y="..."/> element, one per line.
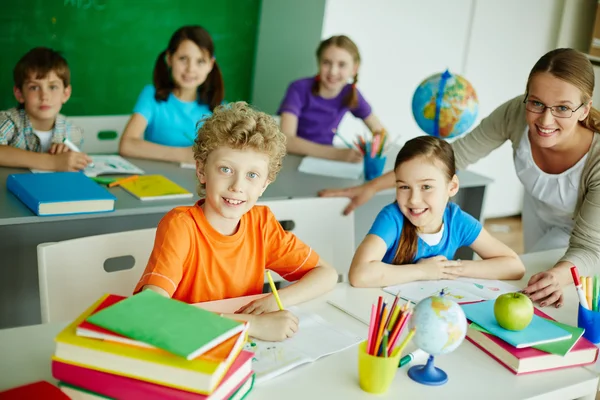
<point x="290" y="183"/>
<point x="26" y="355"/>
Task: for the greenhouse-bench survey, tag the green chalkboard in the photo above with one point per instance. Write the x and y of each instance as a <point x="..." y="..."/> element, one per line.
<point x="111" y="45"/>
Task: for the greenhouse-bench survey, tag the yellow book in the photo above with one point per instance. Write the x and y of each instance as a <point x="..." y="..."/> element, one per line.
<point x="201" y="375"/>
<point x="155" y="187"/>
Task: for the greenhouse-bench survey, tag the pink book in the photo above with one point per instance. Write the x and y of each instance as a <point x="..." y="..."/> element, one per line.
<point x="35" y="390"/>
<point x="529" y="360"/>
<point x="123" y="388"/>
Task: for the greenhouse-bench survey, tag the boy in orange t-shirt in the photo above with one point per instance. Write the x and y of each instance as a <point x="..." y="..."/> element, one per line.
<point x="220" y="247"/>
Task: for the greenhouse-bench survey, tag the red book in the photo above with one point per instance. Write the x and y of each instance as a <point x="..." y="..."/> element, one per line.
<point x="36" y="390"/>
<point x="123" y="388"/>
<point x="529" y="360"/>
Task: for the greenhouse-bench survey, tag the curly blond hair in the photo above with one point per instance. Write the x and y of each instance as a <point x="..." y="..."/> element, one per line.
<point x="239" y="126"/>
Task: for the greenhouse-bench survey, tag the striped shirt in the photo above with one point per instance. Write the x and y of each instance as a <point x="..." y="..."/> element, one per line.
<point x="16" y="131"/>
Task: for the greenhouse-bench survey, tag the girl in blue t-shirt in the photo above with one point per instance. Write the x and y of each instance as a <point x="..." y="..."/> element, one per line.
<point x="415" y="237"/>
<point x="187" y="87"/>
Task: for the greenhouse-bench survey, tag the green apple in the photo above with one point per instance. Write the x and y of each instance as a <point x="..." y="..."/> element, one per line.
<point x="513" y="311"/>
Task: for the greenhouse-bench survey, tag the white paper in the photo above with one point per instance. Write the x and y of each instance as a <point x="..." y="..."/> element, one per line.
<point x="315" y="338"/>
<point x="461" y="290"/>
<point x="106" y="165"/>
<point x="187" y="165"/>
<point x="337" y="169"/>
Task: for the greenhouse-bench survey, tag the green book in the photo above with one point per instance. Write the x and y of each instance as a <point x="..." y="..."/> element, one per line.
<point x="168" y="324"/>
<point x="560" y="348"/>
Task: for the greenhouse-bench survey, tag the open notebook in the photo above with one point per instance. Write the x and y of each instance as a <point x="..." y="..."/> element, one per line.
<point x="315" y="338"/>
<point x="106" y="165"/>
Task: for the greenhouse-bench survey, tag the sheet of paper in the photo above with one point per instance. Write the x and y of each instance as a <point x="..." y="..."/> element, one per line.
<point x="187" y="165"/>
<point x="461" y="290"/>
<point x="315" y="338"/>
<point x="337" y="169"/>
<point x="106" y="165"/>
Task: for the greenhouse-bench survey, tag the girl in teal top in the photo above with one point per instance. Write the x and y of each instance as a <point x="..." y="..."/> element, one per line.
<point x="187" y="86"/>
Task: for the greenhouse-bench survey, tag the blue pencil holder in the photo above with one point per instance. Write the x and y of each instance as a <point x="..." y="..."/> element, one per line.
<point x="373" y="167"/>
<point x="590" y="321"/>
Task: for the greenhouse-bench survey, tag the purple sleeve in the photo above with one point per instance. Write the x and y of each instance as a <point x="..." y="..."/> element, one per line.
<point x="292" y="102"/>
<point x="363" y="110"/>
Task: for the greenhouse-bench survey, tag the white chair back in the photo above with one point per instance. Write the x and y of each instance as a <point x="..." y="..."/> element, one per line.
<point x="101" y="134"/>
<point x="75" y="273"/>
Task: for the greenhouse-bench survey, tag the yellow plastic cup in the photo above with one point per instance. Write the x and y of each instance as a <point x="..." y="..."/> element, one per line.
<point x="375" y="374"/>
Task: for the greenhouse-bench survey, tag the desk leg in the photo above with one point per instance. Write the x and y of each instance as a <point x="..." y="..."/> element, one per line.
<point x="19" y="288"/>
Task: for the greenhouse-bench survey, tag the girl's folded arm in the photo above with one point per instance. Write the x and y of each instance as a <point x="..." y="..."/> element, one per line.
<point x="498" y="261"/>
<point x="367" y="269"/>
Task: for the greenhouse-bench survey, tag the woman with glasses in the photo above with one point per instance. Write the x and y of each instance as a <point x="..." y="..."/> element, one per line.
<point x="556" y="149"/>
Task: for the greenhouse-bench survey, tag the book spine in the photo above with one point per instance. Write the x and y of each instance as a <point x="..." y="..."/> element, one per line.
<point x="15" y="187"/>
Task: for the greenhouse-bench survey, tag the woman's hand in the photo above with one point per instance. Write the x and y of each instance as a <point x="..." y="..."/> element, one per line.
<point x="545" y="288"/>
<point x="358" y="195"/>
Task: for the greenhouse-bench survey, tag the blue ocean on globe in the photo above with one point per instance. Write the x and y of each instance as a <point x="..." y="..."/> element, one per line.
<point x="448" y="112"/>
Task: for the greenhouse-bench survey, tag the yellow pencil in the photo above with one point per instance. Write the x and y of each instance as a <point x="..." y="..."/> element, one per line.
<point x="274" y="290"/>
<point x="406" y="340"/>
<point x="589" y="288"/>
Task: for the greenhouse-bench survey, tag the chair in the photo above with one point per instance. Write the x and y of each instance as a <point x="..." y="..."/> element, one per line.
<point x="101" y="134"/>
<point x="319" y="223"/>
<point x="73" y="273"/>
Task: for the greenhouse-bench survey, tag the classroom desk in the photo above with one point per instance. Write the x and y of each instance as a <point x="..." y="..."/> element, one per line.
<point x="26" y="355"/>
<point x="21" y="230"/>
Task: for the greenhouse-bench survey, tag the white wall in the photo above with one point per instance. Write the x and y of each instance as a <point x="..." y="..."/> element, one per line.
<point x="493" y="44"/>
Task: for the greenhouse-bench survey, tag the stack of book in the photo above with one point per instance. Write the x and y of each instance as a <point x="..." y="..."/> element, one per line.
<point x="543" y="345"/>
<point x="151" y="347"/>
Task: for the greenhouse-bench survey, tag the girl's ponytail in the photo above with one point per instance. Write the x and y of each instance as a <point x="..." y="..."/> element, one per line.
<point x="162" y="77"/>
<point x="407" y="245"/>
<point x="212" y="91"/>
<point x="351" y="100"/>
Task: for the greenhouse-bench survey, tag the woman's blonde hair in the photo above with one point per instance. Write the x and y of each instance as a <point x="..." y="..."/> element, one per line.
<point x="239" y="126"/>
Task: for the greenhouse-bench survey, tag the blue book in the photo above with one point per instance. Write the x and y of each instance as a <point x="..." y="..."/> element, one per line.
<point x="539" y="331"/>
<point x="60" y="193"/>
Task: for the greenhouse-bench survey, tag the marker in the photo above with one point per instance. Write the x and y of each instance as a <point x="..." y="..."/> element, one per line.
<point x="578" y="288"/>
<point x="409" y="357"/>
<point x="120" y="181"/>
<point x="74" y="148"/>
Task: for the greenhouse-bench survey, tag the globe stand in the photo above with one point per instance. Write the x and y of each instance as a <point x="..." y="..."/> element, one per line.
<point x="428" y="374"/>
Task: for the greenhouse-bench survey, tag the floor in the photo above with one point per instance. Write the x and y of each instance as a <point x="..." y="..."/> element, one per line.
<point x="508" y="230"/>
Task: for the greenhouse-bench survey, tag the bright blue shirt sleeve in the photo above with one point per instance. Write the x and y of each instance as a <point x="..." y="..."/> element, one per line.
<point x="146" y="103"/>
<point x="464" y="228"/>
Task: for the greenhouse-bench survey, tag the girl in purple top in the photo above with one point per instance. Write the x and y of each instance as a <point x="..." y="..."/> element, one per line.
<point x="313" y="107"/>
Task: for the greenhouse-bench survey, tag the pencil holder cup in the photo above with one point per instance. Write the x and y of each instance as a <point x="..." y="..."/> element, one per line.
<point x="375" y="374"/>
<point x="590" y="321"/>
<point x="373" y="167"/>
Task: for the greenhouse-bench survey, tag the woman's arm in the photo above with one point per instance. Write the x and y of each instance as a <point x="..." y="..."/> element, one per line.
<point x="303" y="147"/>
<point x="498" y="260"/>
<point x="367" y="269"/>
<point x="132" y="144"/>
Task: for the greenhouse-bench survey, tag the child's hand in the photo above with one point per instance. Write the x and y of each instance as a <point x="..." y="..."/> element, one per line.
<point x="263" y="305"/>
<point x="274" y="327"/>
<point x="58" y="148"/>
<point x="71" y="161"/>
<point x="545" y="288"/>
<point x="439" y="267"/>
<point x="348" y="155"/>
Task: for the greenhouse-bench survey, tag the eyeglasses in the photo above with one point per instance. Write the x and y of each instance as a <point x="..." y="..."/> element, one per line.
<point x="558" y="111"/>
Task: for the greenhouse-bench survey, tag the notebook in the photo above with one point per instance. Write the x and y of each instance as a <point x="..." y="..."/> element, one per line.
<point x="60" y="193"/>
<point x="314" y="339"/>
<point x="538" y="331"/>
<point x="155" y="187"/>
<point x="337" y="169"/>
<point x="124" y="388"/>
<point x="535" y="359"/>
<point x="106" y="165"/>
<point x="460" y="290"/>
<point x="168" y="324"/>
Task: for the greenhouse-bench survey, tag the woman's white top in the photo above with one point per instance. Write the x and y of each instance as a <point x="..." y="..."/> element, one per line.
<point x="554" y="195"/>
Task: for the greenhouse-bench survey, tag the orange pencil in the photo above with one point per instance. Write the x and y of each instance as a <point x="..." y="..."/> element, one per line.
<point x="120" y="181"/>
<point x="380" y="333"/>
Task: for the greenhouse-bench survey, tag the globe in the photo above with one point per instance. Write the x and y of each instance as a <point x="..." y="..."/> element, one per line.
<point x="440" y="327"/>
<point x="445" y="105"/>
